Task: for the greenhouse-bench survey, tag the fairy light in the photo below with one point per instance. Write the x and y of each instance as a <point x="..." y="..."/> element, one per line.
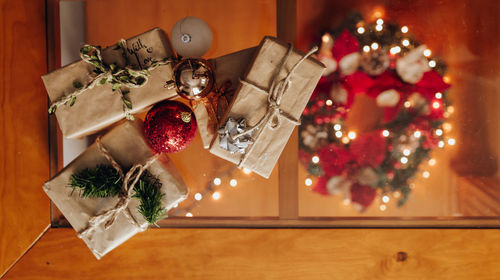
<point x="441" y="144"/>
<point x="432" y="63"/>
<point x="189" y="214"/>
<point x="417" y="134"/>
<point x="446" y="79"/>
<point x="438" y="95"/>
<point x="345" y="140"/>
<point x="450" y="109"/>
<point x="396" y="194"/>
<point x="385" y="133"/>
<point x="406" y="152"/>
<point x="385" y="199"/>
<point x="404" y="160"/>
<point x="338" y="134"/>
<point x="404" y="29"/>
<point x="351" y="135"/>
<point x="407" y="104"/>
<point x="198" y="196"/>
<point x="216" y="195"/>
<point x="447" y="127"/>
<point x="427" y="52"/>
<point x="337" y="127"/>
<point x="247" y="171"/>
<point x="315" y="159"/>
<point x="439" y="132"/>
<point x="451" y="141"/>
<point x="361" y="30"/>
<point x="374" y="45"/>
<point x="432" y="162"/>
<point x="325" y="38"/>
<point x="217" y="181"/>
<point x="380" y="21"/>
<point x="406" y="42"/>
<point x="395" y="50"/>
<point x="233" y="183"/>
<point x="382" y="207"/>
<point x="426" y="174"/>
<point x="435" y="105"/>
<point x="308" y="182"/>
<point x="379" y="27"/>
<point x="329" y="102"/>
<point x="366" y="48"/>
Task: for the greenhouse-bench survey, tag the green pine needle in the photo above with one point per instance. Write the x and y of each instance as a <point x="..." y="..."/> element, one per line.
<point x="104" y="181"/>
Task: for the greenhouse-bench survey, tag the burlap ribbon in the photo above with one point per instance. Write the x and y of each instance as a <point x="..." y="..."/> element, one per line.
<point x="129" y="180"/>
<point x="274" y="94"/>
<point x="211" y="103"/>
<point x="118" y="76"/>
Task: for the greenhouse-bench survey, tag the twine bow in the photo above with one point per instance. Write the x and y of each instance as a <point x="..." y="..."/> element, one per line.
<point x="129" y="180"/>
<point x="274" y="94"/>
<point x="112" y="74"/>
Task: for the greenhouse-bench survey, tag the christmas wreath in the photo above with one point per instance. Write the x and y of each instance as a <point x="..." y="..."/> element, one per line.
<point x="382" y="61"/>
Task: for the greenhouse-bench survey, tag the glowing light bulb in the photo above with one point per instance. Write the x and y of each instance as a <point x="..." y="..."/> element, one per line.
<point x="247" y="171"/>
<point x="315" y="159"/>
<point x="427" y="52"/>
<point x="451" y="141"/>
<point x="432" y="162"/>
<point x="438" y="95"/>
<point x="217" y="181"/>
<point x="404" y="29"/>
<point x="406" y="152"/>
<point x="450" y="109"/>
<point x="396" y="194"/>
<point x="435" y="105"/>
<point x="439" y="132"/>
<point x="385" y="198"/>
<point x="380" y="21"/>
<point x="329" y="102"/>
<point x="189" y="214"/>
<point x="325" y="38"/>
<point x="338" y="134"/>
<point x="441" y="144"/>
<point x="432" y="63"/>
<point x="426" y="174"/>
<point x="379" y="27"/>
<point x="417" y="134"/>
<point x="361" y="30"/>
<point x="385" y="133"/>
<point x="406" y="42"/>
<point x="382" y="207"/>
<point x="446" y="79"/>
<point x="309" y="182"/>
<point x="395" y="50"/>
<point x="345" y="140"/>
<point x="216" y="195"/>
<point x="351" y="135"/>
<point x="374" y="45"/>
<point x="198" y="196"/>
<point x="337" y="127"/>
<point x="366" y="48"/>
<point x="404" y="160"/>
<point x="407" y="104"/>
<point x="233" y="183"/>
<point x="447" y="127"/>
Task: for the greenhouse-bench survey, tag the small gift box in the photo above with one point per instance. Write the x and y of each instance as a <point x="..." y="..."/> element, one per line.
<point x="108" y="85"/>
<point x="267" y="106"/>
<point x="227" y="70"/>
<point x="141" y="189"/>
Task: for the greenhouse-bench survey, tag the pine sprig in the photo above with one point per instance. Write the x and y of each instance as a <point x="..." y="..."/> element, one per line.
<point x="104" y="181"/>
<point x="100" y="181"/>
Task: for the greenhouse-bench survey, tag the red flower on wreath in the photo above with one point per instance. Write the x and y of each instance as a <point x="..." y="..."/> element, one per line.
<point x="334" y="159"/>
<point x="344" y="45"/>
<point x="369" y="149"/>
<point x="362" y="195"/>
<point x="320" y="186"/>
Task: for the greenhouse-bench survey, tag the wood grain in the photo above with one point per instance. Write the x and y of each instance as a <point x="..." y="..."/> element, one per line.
<point x="270" y="254"/>
<point x="24" y="208"/>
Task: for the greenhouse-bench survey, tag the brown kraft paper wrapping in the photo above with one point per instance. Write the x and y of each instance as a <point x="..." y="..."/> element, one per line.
<point x="252" y="104"/>
<point x="100" y="107"/>
<point x="227" y="68"/>
<point x="128" y="147"/>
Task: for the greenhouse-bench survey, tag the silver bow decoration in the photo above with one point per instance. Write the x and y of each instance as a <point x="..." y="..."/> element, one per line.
<point x="233" y="137"/>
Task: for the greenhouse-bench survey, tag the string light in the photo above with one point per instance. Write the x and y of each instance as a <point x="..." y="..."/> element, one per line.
<point x="382" y="207"/>
<point x="233" y="183"/>
<point x="439" y="132"/>
<point x="337" y="127"/>
<point x="325" y="38"/>
<point x="404" y="160"/>
<point x="427" y="52"/>
<point x="338" y="134"/>
<point x="396" y="194"/>
<point x="417" y="134"/>
<point x="309" y="182"/>
<point x="315" y="159"/>
<point x="217" y="181"/>
<point x="374" y="45"/>
<point x="451" y="142"/>
<point x="385" y="133"/>
<point x="345" y="140"/>
<point x="406" y="42"/>
<point x="407" y="104"/>
<point x="385" y="199"/>
<point x="426" y="174"/>
<point x="447" y="127"/>
<point x="435" y="105"/>
<point x="395" y="50"/>
<point x="432" y="162"/>
<point x="438" y="95"/>
<point x="441" y="144"/>
<point x="406" y="152"/>
<point x="404" y="29"/>
<point x="329" y="102"/>
<point x="189" y="214"/>
<point x="351" y="135"/>
<point x="366" y="48"/>
<point x="198" y="196"/>
<point x="432" y="63"/>
<point x="446" y="79"/>
<point x="361" y="30"/>
<point x="379" y="27"/>
<point x="247" y="171"/>
<point x="216" y="195"/>
<point x="380" y="21"/>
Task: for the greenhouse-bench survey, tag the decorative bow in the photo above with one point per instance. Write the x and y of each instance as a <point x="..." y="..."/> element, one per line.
<point x="232" y="137"/>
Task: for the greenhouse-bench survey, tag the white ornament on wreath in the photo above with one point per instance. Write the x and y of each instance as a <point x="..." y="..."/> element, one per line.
<point x="413" y="65"/>
<point x="349" y="63"/>
<point x="338" y="185"/>
<point x="388" y="98"/>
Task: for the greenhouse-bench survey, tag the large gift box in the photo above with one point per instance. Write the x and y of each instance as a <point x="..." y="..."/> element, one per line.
<point x="227" y="70"/>
<point x="100" y="105"/>
<point x="267" y="106"/>
<point x="127" y="146"/>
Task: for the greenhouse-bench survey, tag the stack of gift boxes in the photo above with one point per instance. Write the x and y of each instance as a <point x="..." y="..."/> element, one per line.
<point x="253" y="104"/>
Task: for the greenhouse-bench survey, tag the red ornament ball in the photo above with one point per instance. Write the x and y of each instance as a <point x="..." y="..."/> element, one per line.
<point x="170" y="127"/>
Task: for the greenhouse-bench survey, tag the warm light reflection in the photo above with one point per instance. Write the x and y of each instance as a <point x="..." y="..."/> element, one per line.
<point x="216" y="195"/>
<point x="308" y="182"/>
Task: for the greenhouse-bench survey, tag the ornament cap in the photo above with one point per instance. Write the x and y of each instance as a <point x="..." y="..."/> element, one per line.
<point x="186" y="117"/>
